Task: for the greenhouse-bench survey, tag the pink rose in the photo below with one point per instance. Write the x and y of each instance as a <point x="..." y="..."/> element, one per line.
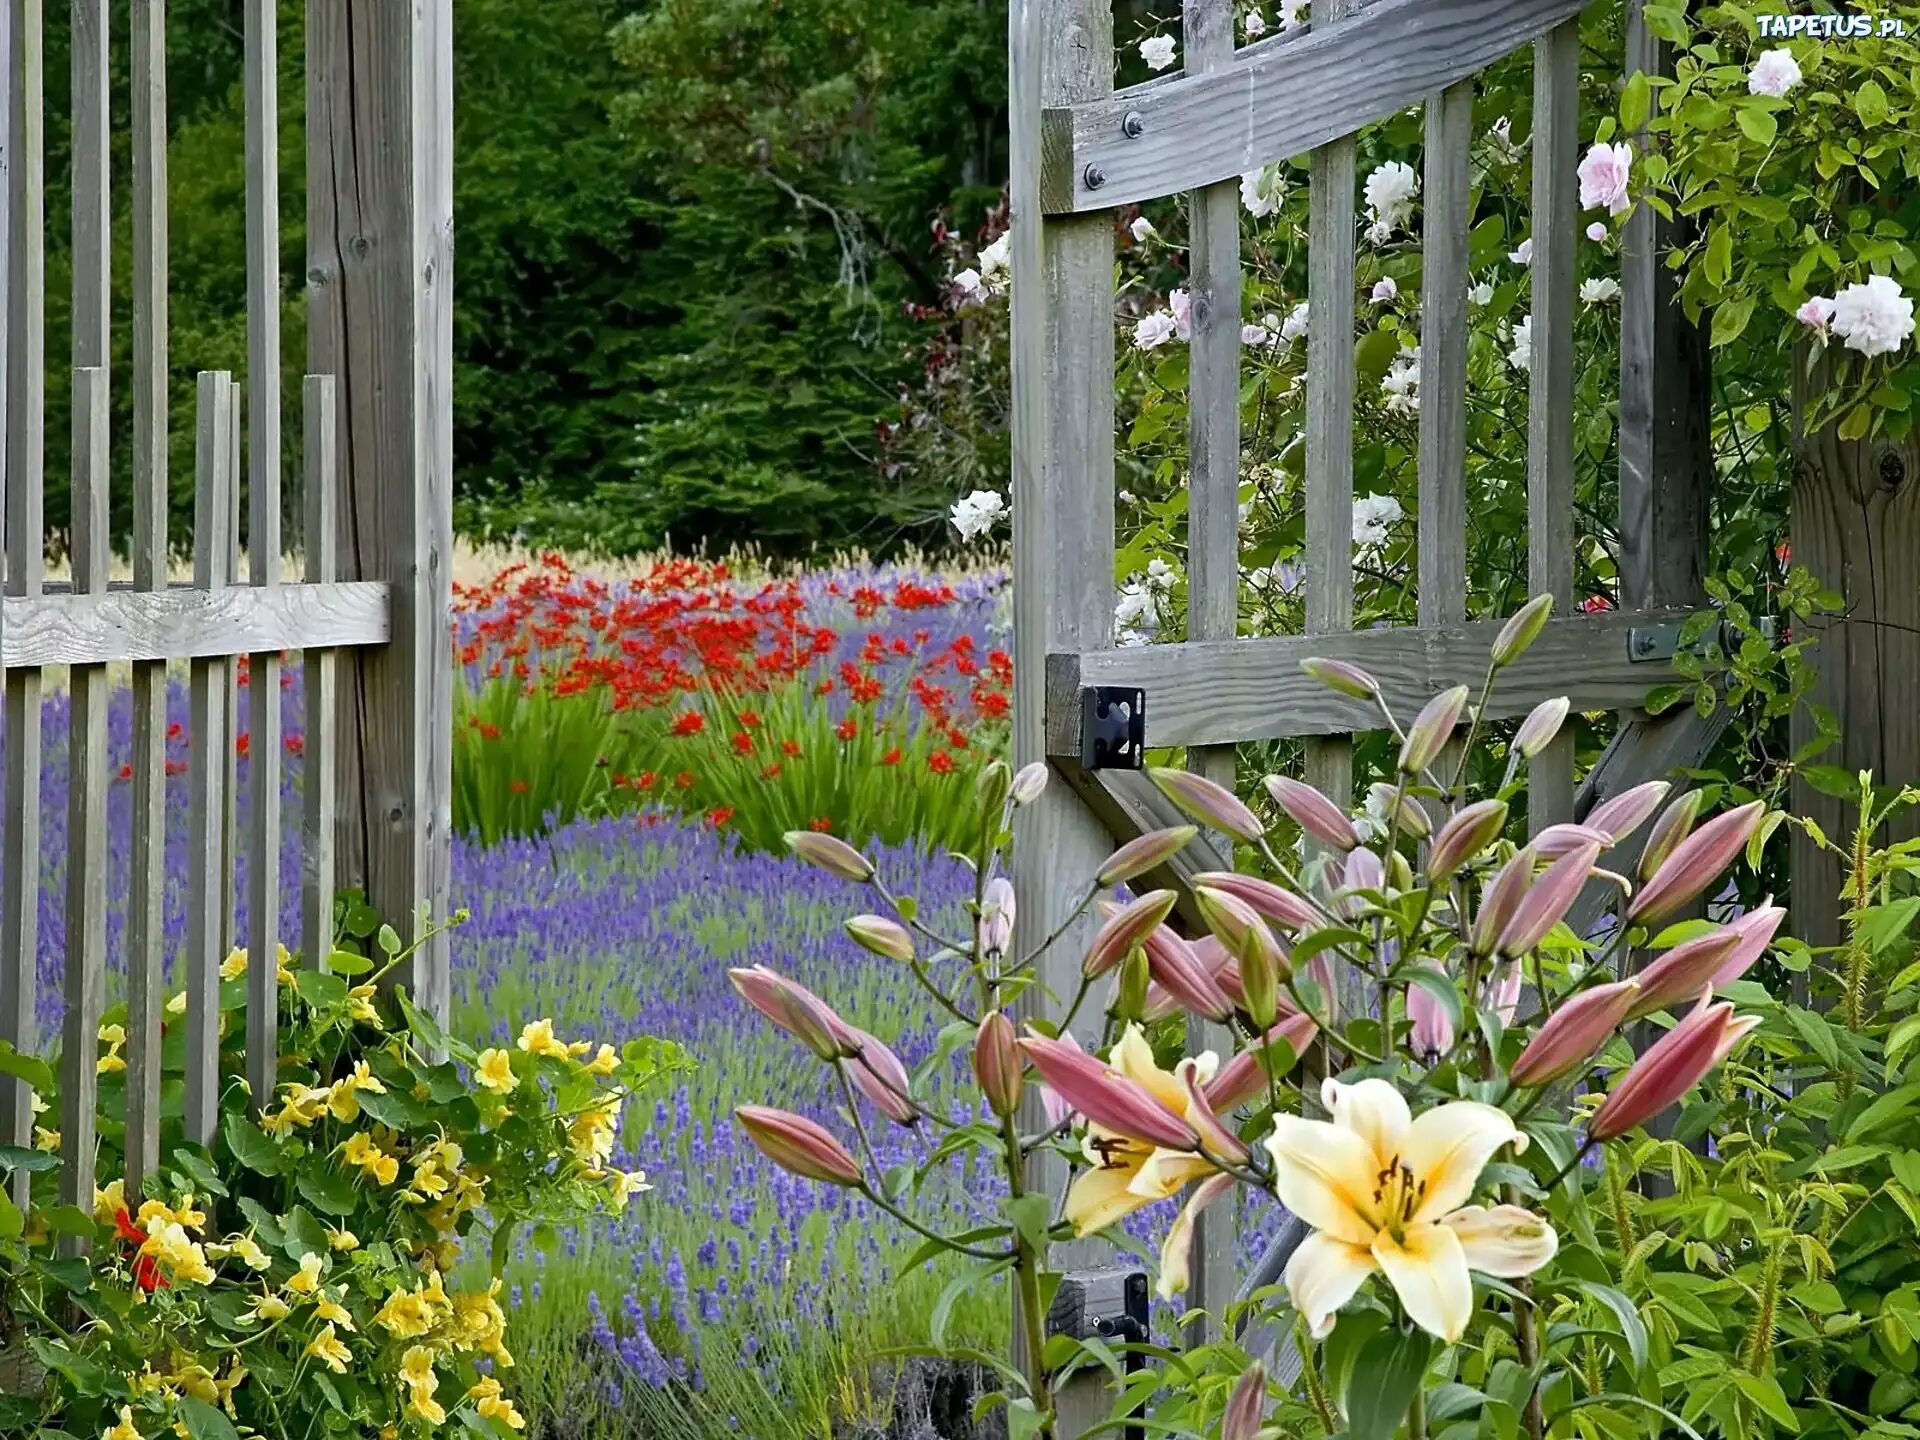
<point x="1603" y="177"/>
<point x="1815" y="314"/>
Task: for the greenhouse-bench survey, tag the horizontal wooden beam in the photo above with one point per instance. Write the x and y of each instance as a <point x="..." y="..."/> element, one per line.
<point x="1216" y="692"/>
<point x="1278" y="98"/>
<point x="184" y="622"/>
<point x="1130" y="804"/>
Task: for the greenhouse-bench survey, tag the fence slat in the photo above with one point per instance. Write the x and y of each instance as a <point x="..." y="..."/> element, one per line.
<point x="86" y="940"/>
<point x="1556" y="142"/>
<point x="1443" y="358"/>
<point x="211" y="747"/>
<point x="1330" y="379"/>
<point x="263" y="544"/>
<point x="319" y="766"/>
<point x="1213" y="530"/>
<point x="26" y="564"/>
<point x="230" y="787"/>
<point x="146" y="939"/>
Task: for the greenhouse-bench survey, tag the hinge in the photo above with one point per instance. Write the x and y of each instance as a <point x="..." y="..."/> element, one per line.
<point x="1651" y="643"/>
<point x="1113" y="728"/>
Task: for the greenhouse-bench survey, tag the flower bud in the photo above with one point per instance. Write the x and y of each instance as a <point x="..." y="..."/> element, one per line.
<point x="1212" y="805"/>
<point x="1684" y="971"/>
<point x="1431" y="729"/>
<point x="1125" y="927"/>
<point x="1696" y="862"/>
<point x="1673" y="826"/>
<point x="1339" y="676"/>
<point x="1106" y="1097"/>
<point x="997" y="1064"/>
<point x="1673" y="1065"/>
<point x="1574" y="1033"/>
<point x="1503" y="992"/>
<point x="1557" y="840"/>
<point x="996" y="916"/>
<point x="1364" y="871"/>
<point x="1174" y="966"/>
<point x="876" y="1072"/>
<point x="1756" y="930"/>
<point x="1144" y="853"/>
<point x="1313" y="812"/>
<point x="1547" y="900"/>
<point x="1432" y="1027"/>
<point x="1028" y="782"/>
<point x="1501" y="899"/>
<point x="795" y="1009"/>
<point x="796" y="1143"/>
<point x="830" y="853"/>
<point x="1627" y="811"/>
<point x="1134" y="998"/>
<point x="1265" y="898"/>
<point x="1262" y="963"/>
<point x="1246" y="1404"/>
<point x="993" y="786"/>
<point x="1244" y="1077"/>
<point x="1215" y="1138"/>
<point x="1543" y="722"/>
<point x="1523" y="627"/>
<point x="1386" y="800"/>
<point x="1463" y="837"/>
<point x="882" y="936"/>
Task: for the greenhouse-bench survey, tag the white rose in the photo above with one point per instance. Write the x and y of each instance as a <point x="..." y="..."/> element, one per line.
<point x="1255" y="25"/>
<point x="1157" y="51"/>
<point x="1481" y="294"/>
<point x="1385" y="291"/>
<point x="1372" y="514"/>
<point x="1599" y="290"/>
<point x="1874" y="318"/>
<point x="1142" y="229"/>
<point x="1774" y="73"/>
<point x="1521" y="356"/>
<point x="974" y="515"/>
<point x="1524" y="255"/>
<point x="1153" y="331"/>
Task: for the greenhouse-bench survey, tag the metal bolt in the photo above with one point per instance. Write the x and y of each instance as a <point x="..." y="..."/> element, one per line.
<point x="1644" y="642"/>
<point x="1094" y="177"/>
<point x="1132" y="126"/>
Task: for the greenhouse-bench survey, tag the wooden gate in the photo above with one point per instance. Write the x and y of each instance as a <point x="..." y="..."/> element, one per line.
<point x="1079" y="151"/>
<point x="369" y="614"/>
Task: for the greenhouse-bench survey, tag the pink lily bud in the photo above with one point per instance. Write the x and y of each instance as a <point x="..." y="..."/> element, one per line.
<point x="1627" y="811"/>
<point x="1320" y="971"/>
<point x="1212" y="805"/>
<point x="1432" y="1034"/>
<point x="996" y="916"/>
<point x="1178" y="971"/>
<point x="1387" y="800"/>
<point x="1313" y="812"/>
<point x="885" y="938"/>
<point x="1028" y="781"/>
<point x="1523" y="627"/>
<point x="830" y="853"/>
<point x="1557" y="840"/>
<point x="1574" y="1033"/>
<point x="1464" y="836"/>
<point x="796" y="1143"/>
<point x="1548" y="900"/>
<point x="1339" y="676"/>
<point x="991" y="789"/>
<point x="1431" y="729"/>
<point x="795" y="1009"/>
<point x="1673" y="826"/>
<point x="1364" y="871"/>
<point x="1684" y="971"/>
<point x="1135" y="994"/>
<point x="1696" y="862"/>
<point x="1543" y="722"/>
<point x="1242" y="1078"/>
<point x="997" y="1064"/>
<point x="876" y="1072"/>
<point x="1258" y="962"/>
<point x="1215" y="1138"/>
<point x="1246" y="1404"/>
<point x="1503" y="992"/>
<point x="1501" y="899"/>
<point x="1125" y="928"/>
<point x="1673" y="1065"/>
<point x="1268" y="900"/>
<point x="1143" y="853"/>
<point x="1105" y="1097"/>
<point x="1056" y="1110"/>
<point x="1755" y="929"/>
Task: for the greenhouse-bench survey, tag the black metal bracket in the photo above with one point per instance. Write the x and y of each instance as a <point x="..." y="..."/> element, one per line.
<point x="1109" y="1304"/>
<point x="1113" y="728"/>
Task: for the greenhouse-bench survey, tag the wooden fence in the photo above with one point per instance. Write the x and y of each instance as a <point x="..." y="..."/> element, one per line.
<point x="1079" y="151"/>
<point x="368" y="616"/>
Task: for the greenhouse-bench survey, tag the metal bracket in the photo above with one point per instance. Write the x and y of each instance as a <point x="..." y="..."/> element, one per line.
<point x="1107" y="1305"/>
<point x="1113" y="728"/>
<point x="1651" y="643"/>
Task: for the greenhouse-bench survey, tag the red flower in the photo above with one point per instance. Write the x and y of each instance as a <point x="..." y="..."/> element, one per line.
<point x="646" y="780"/>
<point x="244" y="745"/>
<point x="940" y="762"/>
<point x="126" y="772"/>
<point x="173" y="731"/>
<point x="689" y="722"/>
<point x="892" y="757"/>
<point x="742" y="742"/>
<point x="296" y="745"/>
<point x="684" y="780"/>
<point x="1595" y="603"/>
<point x="1783" y="552"/>
<point x="824" y="823"/>
<point x="770" y="771"/>
<point x="146" y="1270"/>
<point x="176" y="767"/>
<point x="518" y="787"/>
<point x="790" y="748"/>
<point x="749" y="719"/>
<point x="719" y="815"/>
<point x="847" y="730"/>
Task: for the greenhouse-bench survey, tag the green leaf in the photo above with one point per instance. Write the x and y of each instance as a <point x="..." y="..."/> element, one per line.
<point x="1374" y="353"/>
<point x="1626" y="1316"/>
<point x="1386" y="1375"/>
<point x="1719" y="256"/>
<point x="1730" y="319"/>
<point x="250" y="1144"/>
<point x="328" y="1189"/>
<point x="1635" y="101"/>
<point x="1442" y="989"/>
<point x="70" y="1220"/>
<point x="955" y="1288"/>
<point x="423" y="1025"/>
<point x="12" y="1224"/>
<point x="1887" y="1107"/>
<point x="1870" y="103"/>
<point x="319" y="989"/>
<point x="345" y="962"/>
<point x="1756" y="123"/>
<point x="204" y="1422"/>
<point x="19" y="1157"/>
<point x="388" y="940"/>
<point x="84" y="1375"/>
<point x="1832" y="780"/>
<point x="1765" y="1392"/>
<point x="1855" y="424"/>
<point x="304" y="1235"/>
<point x="30" y="1068"/>
<point x="1669" y="22"/>
<point x="1031" y="1215"/>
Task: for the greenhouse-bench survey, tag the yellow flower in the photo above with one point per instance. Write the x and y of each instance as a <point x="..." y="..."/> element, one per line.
<point x="197" y="1381"/>
<point x="605" y="1062"/>
<point x="113" y="1034"/>
<point x="327" y="1308"/>
<point x="125" y="1430"/>
<point x="360" y="1005"/>
<point x="495" y="1071"/>
<point x="230" y="1382"/>
<point x="592" y="1133"/>
<point x="420" y="1402"/>
<point x="538" y="1039"/>
<point x="304" y="1104"/>
<point x="579" y="1047"/>
<point x="343" y="1240"/>
<point x="405" y="1315"/>
<point x="178" y="1004"/>
<point x="1387" y="1192"/>
<point x="283" y="965"/>
<point x="493" y="1405"/>
<point x="327" y="1348"/>
<point x="268" y="1307"/>
<point x="416" y="1367"/>
<point x="113" y="1037"/>
<point x="250" y="1253"/>
<point x="626" y="1184"/>
<point x="156" y="1212"/>
<point x="344" y="1098"/>
<point x="45" y="1139"/>
<point x="109" y="1202"/>
<point x="178" y="1254"/>
<point x="379" y="1166"/>
<point x="234" y="966"/>
<point x="306" y="1279"/>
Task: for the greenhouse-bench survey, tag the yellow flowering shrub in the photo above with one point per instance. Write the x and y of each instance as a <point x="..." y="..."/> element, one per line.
<point x="330" y="1267"/>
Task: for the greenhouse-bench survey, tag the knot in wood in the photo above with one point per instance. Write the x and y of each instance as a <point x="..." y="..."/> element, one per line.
<point x="1893" y="470"/>
<point x="361" y="247"/>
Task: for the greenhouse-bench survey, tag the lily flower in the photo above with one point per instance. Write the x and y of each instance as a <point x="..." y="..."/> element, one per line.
<point x="1386" y="1192"/>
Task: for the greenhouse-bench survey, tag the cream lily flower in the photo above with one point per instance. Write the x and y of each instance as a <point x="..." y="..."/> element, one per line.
<point x="1125" y="1173"/>
<point x="1384" y="1191"/>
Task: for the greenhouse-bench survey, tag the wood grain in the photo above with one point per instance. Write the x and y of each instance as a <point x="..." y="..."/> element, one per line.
<point x="147" y="878"/>
<point x="1448" y="203"/>
<point x="1556" y="219"/>
<point x="1280" y="98"/>
<point x="188" y="623"/>
<point x="85" y="972"/>
<point x="319" y="775"/>
<point x="1253" y="689"/>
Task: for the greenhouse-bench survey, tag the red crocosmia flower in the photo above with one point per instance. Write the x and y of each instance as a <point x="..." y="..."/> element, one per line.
<point x="847" y="730"/>
<point x="790" y="748"/>
<point x="173" y="731"/>
<point x="684" y="780"/>
<point x="892" y="757"/>
<point x="126" y="772"/>
<point x="518" y="787"/>
<point x="719" y="815"/>
<point x="940" y="762"/>
<point x="646" y="780"/>
<point x="244" y="745"/>
<point x="742" y="742"/>
<point x="770" y="771"/>
<point x="296" y="745"/>
<point x="176" y="767"/>
<point x="689" y="722"/>
<point x="749" y="719"/>
<point x="823" y="824"/>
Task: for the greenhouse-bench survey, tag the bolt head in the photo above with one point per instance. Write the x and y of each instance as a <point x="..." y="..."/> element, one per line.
<point x="1132" y="125"/>
<point x="1094" y="177"/>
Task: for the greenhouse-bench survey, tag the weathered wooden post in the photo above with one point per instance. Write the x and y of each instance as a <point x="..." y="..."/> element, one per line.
<point x="380" y="287"/>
